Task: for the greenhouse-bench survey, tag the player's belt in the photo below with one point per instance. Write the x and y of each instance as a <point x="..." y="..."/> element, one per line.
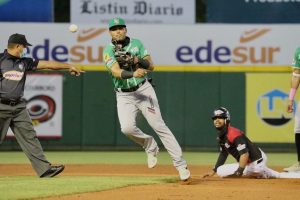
<point x="131" y="89"/>
<point x="11" y="102"/>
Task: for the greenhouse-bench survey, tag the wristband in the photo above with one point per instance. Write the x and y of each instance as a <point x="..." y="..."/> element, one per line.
<point x="239" y="171"/>
<point x="126" y="74"/>
<point x="292" y="93"/>
<point x="145" y="64"/>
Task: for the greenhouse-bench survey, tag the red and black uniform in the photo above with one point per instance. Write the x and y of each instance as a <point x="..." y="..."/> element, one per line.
<point x="233" y="141"/>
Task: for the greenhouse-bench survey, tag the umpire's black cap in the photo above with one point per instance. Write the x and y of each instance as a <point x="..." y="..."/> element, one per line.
<point x="18" y="39"/>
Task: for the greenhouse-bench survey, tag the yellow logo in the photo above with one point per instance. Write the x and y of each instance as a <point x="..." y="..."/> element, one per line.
<point x="106" y="57"/>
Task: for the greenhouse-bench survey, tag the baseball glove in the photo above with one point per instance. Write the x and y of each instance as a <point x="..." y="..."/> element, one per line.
<point x="124" y="59"/>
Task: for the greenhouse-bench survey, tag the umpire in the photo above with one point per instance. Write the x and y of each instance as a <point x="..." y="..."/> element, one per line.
<point x="13" y="113"/>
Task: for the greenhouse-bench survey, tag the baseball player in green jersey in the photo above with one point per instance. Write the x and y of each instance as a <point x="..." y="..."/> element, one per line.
<point x="128" y="63"/>
<point x="290" y="108"/>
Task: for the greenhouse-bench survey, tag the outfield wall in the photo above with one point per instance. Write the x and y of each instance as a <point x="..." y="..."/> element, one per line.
<point x="186" y="99"/>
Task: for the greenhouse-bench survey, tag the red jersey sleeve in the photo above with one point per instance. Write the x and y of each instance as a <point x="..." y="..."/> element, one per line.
<point x="233" y="133"/>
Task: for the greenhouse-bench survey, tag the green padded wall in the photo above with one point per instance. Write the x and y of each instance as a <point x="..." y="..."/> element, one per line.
<point x="187" y="100"/>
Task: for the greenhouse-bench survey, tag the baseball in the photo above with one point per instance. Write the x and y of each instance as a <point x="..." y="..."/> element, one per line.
<point x="73" y="28"/>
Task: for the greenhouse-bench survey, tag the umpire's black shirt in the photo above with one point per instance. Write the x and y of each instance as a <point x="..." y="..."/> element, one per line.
<point x="233" y="141"/>
<point x="13" y="75"/>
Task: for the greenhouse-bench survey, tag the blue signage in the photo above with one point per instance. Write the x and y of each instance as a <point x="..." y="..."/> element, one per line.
<point x="253" y="11"/>
<point x="26" y="10"/>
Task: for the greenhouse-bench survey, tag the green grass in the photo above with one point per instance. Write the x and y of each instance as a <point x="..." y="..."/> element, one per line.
<point x="79" y="157"/>
<point x="29" y="187"/>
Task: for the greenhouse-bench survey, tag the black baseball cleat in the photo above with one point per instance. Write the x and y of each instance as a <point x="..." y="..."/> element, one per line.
<point x="53" y="171"/>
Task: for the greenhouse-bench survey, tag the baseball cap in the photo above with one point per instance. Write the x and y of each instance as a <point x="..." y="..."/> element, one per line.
<point x="18" y="39"/>
<point x="116" y="22"/>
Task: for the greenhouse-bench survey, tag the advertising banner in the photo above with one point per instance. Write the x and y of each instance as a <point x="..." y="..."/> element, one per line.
<point x="26" y="11"/>
<point x="171" y="47"/>
<point x="253" y="11"/>
<point x="43" y="93"/>
<point x="133" y="11"/>
<point x="266" y="116"/>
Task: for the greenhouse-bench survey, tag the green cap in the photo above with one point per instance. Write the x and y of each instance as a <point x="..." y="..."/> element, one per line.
<point x="116" y="22"/>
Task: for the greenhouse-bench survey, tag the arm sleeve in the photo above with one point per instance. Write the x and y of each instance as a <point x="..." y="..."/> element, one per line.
<point x="241" y="145"/>
<point x="109" y="57"/>
<point x="31" y="64"/>
<point x="296" y="60"/>
<point x="221" y="159"/>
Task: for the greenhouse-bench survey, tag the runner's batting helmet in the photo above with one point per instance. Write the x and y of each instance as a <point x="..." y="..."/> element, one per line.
<point x="221" y="112"/>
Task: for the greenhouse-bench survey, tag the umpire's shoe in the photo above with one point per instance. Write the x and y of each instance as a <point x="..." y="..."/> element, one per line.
<point x="53" y="171"/>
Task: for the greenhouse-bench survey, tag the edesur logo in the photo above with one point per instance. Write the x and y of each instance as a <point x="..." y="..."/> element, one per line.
<point x="243" y="54"/>
<point x="76" y="54"/>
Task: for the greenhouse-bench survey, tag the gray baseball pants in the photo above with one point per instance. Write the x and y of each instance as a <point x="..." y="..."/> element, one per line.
<point x="144" y="99"/>
<point x="17" y="118"/>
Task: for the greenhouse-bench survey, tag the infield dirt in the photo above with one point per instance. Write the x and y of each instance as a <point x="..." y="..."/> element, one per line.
<point x="196" y="188"/>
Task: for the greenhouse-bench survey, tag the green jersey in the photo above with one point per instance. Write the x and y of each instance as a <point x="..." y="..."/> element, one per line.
<point x="296" y="61"/>
<point x="135" y="48"/>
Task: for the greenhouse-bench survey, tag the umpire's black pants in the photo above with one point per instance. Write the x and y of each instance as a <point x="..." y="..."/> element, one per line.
<point x="17" y="118"/>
